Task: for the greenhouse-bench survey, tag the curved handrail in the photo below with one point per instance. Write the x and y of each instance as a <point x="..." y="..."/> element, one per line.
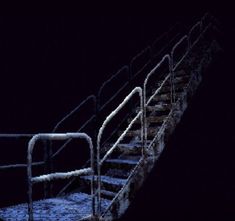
<point x="137" y="90"/>
<point x="168" y="58"/>
<point x="203" y="19"/>
<point x="165" y="33"/>
<point x="174" y="66"/>
<point x="18" y="165"/>
<point x="91" y="97"/>
<point x="147" y="49"/>
<point x="161" y="37"/>
<point x="197" y="25"/>
<point x="120" y="71"/>
<point x="52" y="176"/>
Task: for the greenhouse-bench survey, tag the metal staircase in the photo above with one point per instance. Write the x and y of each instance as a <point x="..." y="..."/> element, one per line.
<point x="142" y="123"/>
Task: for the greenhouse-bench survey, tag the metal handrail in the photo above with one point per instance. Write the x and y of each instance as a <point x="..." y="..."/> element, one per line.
<point x="76" y="109"/>
<point x="18" y="165"/>
<point x="168" y="58"/>
<point x="64" y="175"/>
<point x="163" y="36"/>
<point x="197" y="25"/>
<point x="203" y="19"/>
<point x="184" y="38"/>
<point x="147" y="49"/>
<point x="172" y="68"/>
<point x="120" y="71"/>
<point x="138" y="91"/>
<point x="91" y="97"/>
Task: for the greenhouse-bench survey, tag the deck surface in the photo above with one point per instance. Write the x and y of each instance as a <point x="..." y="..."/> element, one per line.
<point x="70" y="208"/>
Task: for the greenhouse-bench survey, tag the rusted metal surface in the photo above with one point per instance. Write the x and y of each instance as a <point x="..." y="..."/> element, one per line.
<point x="121" y="202"/>
<point x="127" y="161"/>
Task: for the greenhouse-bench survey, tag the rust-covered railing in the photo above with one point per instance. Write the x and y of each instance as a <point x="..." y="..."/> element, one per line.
<point x="57" y="175"/>
<point x="100" y="160"/>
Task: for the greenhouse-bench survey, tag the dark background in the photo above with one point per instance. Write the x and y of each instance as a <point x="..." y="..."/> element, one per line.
<point x="51" y="63"/>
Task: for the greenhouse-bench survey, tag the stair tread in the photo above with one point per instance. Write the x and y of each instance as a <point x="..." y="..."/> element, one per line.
<point x="120" y="173"/>
<point x="123" y="161"/>
<point x="154" y="119"/>
<point x="164" y="97"/>
<point x="179" y="73"/>
<point x="179" y="79"/>
<point x="167" y="88"/>
<point x="108" y="193"/>
<point x="157" y="108"/>
<point x="107" y="179"/>
<point x="131" y="133"/>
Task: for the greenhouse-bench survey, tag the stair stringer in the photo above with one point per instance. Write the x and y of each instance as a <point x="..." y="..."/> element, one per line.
<point x="136" y="179"/>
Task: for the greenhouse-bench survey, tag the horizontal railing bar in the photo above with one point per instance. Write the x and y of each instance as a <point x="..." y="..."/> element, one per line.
<point x="111" y="98"/>
<point x="19" y="165"/>
<point x="74" y="110"/>
<point x="61" y="175"/>
<point x="69" y="140"/>
<point x="111" y="78"/>
<point x="15" y="135"/>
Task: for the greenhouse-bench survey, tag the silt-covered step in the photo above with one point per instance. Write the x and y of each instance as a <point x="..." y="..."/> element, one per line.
<point x="107" y="182"/>
<point x="157" y="107"/>
<point x="167" y="88"/>
<point x="157" y="120"/>
<point x="179" y="79"/>
<point x="152" y="131"/>
<point x="118" y="173"/>
<point x="107" y="194"/>
<point x="118" y="163"/>
<point x="165" y="97"/>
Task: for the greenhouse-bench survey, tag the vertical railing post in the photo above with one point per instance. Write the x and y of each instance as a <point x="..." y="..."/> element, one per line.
<point x="145" y="102"/>
<point x="30" y="184"/>
<point x="143" y="119"/>
<point x="98" y="180"/>
<point x="144" y="116"/>
<point x="46" y="169"/>
<point x="172" y="78"/>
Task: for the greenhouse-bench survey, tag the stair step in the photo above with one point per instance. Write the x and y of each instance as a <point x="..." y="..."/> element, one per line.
<point x="130" y="148"/>
<point x="122" y="164"/>
<point x="122" y="161"/>
<point x="162" y="97"/>
<point x="166" y="97"/>
<point x="157" y="107"/>
<point x="152" y="131"/>
<point x="119" y="173"/>
<point x="167" y="88"/>
<point x="179" y="73"/>
<point x="179" y="79"/>
<point x="108" y="194"/>
<point x="153" y="119"/>
<point x="108" y="183"/>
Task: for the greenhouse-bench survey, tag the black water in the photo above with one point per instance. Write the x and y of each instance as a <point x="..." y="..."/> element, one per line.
<point x="194" y="178"/>
<point x="49" y="64"/>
